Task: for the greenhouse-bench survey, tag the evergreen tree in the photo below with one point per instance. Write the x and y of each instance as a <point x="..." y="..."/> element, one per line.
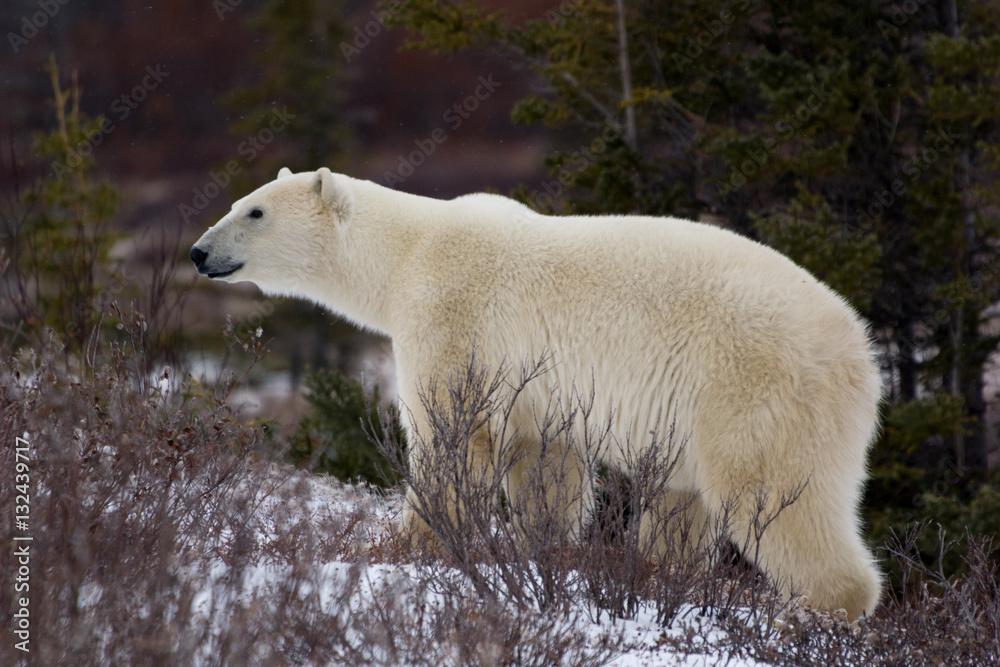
<point x="334" y="437"/>
<point x="57" y="236"/>
<point x="895" y="152"/>
<point x="301" y="70"/>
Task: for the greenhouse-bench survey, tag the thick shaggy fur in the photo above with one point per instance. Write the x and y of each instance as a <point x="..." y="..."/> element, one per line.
<point x="767" y="373"/>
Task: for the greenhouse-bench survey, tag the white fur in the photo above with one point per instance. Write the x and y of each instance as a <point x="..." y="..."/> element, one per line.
<point x="767" y="372"/>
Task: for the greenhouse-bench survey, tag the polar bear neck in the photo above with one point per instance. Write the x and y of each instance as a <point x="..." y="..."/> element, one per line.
<point x="384" y="228"/>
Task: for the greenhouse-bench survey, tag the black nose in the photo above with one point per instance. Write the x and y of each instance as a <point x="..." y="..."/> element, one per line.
<point x="198" y="256"/>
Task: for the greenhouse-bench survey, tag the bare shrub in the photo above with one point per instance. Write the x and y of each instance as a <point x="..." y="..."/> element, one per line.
<point x="933" y="620"/>
<point x="163" y="534"/>
<point x="126" y="488"/>
<point x="534" y="543"/>
<point x="743" y="600"/>
<point x="369" y="617"/>
<point x="619" y="562"/>
<point x="162" y="298"/>
<point x="939" y="619"/>
<point x="458" y="473"/>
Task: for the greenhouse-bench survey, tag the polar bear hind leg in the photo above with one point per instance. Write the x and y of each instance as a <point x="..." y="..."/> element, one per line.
<point x="813" y="546"/>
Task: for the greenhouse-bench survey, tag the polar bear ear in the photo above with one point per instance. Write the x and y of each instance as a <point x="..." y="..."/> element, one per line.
<point x="285" y="171"/>
<point x="337" y="198"/>
<point x="324" y="185"/>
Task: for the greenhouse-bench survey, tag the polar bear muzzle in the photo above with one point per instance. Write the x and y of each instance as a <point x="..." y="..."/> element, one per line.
<point x="212" y="269"/>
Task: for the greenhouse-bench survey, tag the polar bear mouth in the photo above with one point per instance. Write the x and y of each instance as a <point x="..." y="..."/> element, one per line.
<point x="206" y="268"/>
<point x="223" y="274"/>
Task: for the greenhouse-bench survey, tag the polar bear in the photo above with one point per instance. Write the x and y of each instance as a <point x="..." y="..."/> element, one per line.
<point x="770" y="375"/>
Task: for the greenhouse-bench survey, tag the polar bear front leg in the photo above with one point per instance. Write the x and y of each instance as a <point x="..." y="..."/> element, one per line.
<point x="557" y="486"/>
<point x="415" y="508"/>
<point x="451" y="479"/>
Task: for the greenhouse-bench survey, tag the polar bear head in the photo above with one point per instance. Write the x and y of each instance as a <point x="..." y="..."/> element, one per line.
<point x="282" y="236"/>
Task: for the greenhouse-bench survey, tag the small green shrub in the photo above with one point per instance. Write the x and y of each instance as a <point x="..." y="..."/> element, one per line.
<point x="56" y="239"/>
<point x="333" y="437"/>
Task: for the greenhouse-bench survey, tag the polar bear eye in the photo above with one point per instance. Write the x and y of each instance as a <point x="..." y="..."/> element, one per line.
<point x="256" y="213"/>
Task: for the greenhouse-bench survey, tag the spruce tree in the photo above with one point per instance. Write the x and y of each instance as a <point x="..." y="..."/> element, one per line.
<point x="58" y="237"/>
<point x="300" y="67"/>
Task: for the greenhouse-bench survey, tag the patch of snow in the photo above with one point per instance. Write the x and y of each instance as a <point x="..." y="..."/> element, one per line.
<point x="339" y="584"/>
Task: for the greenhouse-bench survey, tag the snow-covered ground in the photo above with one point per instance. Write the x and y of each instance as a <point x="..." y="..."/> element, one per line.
<point x="352" y="586"/>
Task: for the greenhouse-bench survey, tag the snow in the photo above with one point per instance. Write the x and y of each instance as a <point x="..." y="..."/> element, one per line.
<point x="339" y="584"/>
